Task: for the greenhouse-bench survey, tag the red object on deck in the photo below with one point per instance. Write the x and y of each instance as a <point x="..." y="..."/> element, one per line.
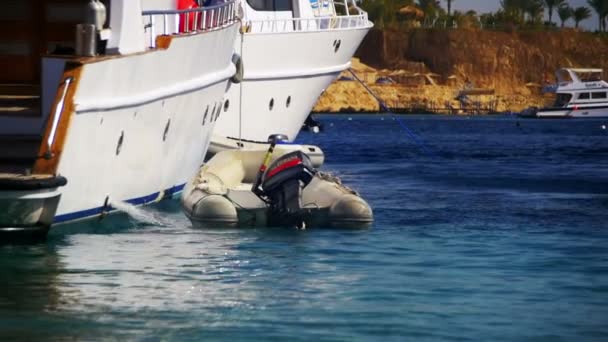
<point x="186" y="20"/>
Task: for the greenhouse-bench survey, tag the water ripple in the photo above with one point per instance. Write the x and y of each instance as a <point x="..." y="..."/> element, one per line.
<point x="500" y="235"/>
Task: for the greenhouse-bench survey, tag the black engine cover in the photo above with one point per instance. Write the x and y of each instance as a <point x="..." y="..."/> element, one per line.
<point x="282" y="184"/>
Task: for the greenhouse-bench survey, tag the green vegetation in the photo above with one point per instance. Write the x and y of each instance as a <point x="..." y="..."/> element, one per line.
<point x="601" y="9"/>
<point x="580" y="14"/>
<point x="552" y="4"/>
<point x="512" y="14"/>
<point x="564" y="13"/>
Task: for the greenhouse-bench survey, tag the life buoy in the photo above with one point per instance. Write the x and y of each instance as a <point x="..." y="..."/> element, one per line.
<point x="184" y="17"/>
<point x="238" y="63"/>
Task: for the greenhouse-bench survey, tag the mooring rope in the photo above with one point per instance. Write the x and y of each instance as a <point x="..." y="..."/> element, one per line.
<point x="415" y="138"/>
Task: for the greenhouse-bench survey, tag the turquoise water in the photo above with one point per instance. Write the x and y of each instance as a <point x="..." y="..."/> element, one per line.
<point x="498" y="233"/>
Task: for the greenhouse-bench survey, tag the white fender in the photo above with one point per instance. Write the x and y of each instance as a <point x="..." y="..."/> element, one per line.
<point x="238" y="63"/>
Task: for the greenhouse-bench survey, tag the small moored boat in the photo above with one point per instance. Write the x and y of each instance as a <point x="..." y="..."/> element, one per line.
<point x="230" y="192"/>
<point x="579" y="93"/>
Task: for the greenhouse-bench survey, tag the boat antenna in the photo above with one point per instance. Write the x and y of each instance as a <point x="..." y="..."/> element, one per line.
<point x="415" y="138"/>
<point x="273" y="140"/>
<point x="242" y="34"/>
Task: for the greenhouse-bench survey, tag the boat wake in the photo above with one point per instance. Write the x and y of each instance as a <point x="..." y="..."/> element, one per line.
<point x="140" y="214"/>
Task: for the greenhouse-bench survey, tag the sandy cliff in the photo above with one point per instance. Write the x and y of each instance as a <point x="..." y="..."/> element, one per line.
<point x="431" y="66"/>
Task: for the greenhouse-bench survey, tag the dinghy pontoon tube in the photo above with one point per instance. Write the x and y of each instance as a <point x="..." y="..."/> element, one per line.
<point x="222" y="196"/>
<point x="221" y="144"/>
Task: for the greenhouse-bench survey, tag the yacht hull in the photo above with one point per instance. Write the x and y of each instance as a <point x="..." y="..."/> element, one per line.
<point x="140" y="126"/>
<point x="600" y="112"/>
<point x="284" y="75"/>
<point x="131" y="128"/>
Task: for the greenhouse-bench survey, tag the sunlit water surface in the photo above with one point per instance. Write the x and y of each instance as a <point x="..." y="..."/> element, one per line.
<point x="498" y="232"/>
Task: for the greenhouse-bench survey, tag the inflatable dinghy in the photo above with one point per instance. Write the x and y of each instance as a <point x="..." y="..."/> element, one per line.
<point x="233" y="190"/>
<point x="219" y="144"/>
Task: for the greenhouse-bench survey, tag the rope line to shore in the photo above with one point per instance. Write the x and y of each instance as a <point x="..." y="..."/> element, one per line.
<point x="415" y="138"/>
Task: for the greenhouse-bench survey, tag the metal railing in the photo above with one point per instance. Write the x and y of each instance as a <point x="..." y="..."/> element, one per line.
<point x="307" y="24"/>
<point x="171" y="22"/>
<point x="322" y="7"/>
<point x="328" y="15"/>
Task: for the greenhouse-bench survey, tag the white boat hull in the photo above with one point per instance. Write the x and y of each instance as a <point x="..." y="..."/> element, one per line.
<point x="154" y="106"/>
<point x="589" y="112"/>
<point x="284" y="75"/>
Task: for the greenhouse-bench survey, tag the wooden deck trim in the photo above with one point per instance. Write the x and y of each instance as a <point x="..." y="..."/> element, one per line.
<point x="44" y="164"/>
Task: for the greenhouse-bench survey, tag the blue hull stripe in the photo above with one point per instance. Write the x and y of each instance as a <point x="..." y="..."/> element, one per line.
<point x="134" y="201"/>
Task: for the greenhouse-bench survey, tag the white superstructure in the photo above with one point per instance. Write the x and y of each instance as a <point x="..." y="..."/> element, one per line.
<point x="133" y="121"/>
<point x="291" y="50"/>
<point x="580" y="93"/>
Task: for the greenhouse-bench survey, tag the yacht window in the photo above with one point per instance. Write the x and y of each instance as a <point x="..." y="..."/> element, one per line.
<point x="283" y="5"/>
<point x="260" y="5"/>
<point x="583" y="96"/>
<point x="600" y="95"/>
<point x="562" y="100"/>
<point x="271" y="5"/>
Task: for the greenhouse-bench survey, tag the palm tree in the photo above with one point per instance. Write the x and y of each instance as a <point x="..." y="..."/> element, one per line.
<point x="551" y="4"/>
<point x="581" y="13"/>
<point x="429" y="7"/>
<point x="514" y="9"/>
<point x="535" y="10"/>
<point x="513" y="5"/>
<point x="564" y="13"/>
<point x="449" y="7"/>
<point x="601" y="8"/>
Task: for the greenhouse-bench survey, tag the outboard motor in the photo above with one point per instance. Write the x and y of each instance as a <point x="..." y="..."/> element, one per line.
<point x="282" y="185"/>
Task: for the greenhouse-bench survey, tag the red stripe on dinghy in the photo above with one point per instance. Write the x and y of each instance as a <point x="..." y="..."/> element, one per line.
<point x="284" y="166"/>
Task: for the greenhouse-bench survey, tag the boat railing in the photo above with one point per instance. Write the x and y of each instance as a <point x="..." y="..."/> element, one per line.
<point x="328" y="23"/>
<point x="323" y="7"/>
<point x="188" y="21"/>
<point x="346" y="6"/>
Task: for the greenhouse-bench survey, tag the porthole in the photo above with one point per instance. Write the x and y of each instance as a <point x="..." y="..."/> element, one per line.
<point x="205" y="116"/>
<point x="219" y="109"/>
<point x="226" y="105"/>
<point x="120" y="141"/>
<point x="271" y="104"/>
<point x="166" y="129"/>
<point x="288" y="101"/>
<point x="212" y="113"/>
<point x="337" y="46"/>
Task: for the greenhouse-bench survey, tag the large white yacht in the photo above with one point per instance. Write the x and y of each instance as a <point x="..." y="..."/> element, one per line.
<point x="110" y="110"/>
<point x="580" y="93"/>
<point x="290" y="50"/>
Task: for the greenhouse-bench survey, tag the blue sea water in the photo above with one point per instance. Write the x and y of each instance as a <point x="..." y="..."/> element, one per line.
<point x="495" y="230"/>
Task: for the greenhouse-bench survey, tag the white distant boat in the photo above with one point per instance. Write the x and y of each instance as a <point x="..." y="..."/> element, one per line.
<point x="580" y="93"/>
<point x="124" y="112"/>
<point x="291" y="50"/>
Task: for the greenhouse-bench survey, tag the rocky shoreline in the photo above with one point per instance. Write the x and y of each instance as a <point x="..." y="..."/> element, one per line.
<point x="347" y="95"/>
<point x="427" y="70"/>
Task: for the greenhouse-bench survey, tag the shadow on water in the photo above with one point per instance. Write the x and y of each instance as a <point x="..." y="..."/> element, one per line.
<point x="34" y="298"/>
<point x="30" y="296"/>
